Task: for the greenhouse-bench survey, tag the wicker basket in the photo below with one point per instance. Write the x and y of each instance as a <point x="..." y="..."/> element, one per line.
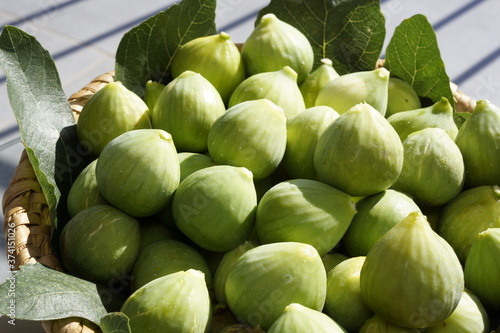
<point x="25" y="207"/>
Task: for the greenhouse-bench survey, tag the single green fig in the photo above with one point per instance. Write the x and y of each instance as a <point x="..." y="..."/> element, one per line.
<point x="100" y="244"/>
<point x="303" y="132"/>
<point x="266" y="279"/>
<point x="439" y="114"/>
<point x="433" y="168"/>
<point x="305" y="211"/>
<point x="344" y="302"/>
<point x="251" y="135"/>
<point x="330" y="260"/>
<point x="165" y="257"/>
<point x="482" y="269"/>
<point x="153" y="230"/>
<point x="377" y="324"/>
<point x="469" y="316"/>
<point x="280" y="87"/>
<point x="479" y="142"/>
<point x="401" y="97"/>
<point x="138" y="171"/>
<point x="177" y="303"/>
<point x="187" y="108"/>
<point x="471" y="212"/>
<point x="424" y="274"/>
<point x="376" y="214"/>
<point x="359" y="153"/>
<point x="215" y="207"/>
<point x="152" y="91"/>
<point x="297" y="318"/>
<point x="347" y="90"/>
<point x="111" y="111"/>
<point x="273" y="44"/>
<point x="316" y="80"/>
<point x="84" y="191"/>
<point x="216" y="58"/>
<point x="191" y="162"/>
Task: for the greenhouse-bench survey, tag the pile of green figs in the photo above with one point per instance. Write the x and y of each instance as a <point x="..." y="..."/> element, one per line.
<point x="253" y="193"/>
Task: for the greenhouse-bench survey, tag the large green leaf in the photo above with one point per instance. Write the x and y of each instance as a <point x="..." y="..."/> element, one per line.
<point x="46" y="123"/>
<point x="349" y="32"/>
<point x="40" y="293"/>
<point x="145" y="52"/>
<point x="413" y="55"/>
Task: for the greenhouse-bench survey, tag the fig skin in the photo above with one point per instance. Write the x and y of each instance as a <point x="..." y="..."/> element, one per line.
<point x="274" y="44"/>
<point x="152" y="90"/>
<point x="316" y="80"/>
<point x="377" y="324"/>
<point x="401" y="97"/>
<point x="191" y="162"/>
<point x="411" y="276"/>
<point x="110" y="112"/>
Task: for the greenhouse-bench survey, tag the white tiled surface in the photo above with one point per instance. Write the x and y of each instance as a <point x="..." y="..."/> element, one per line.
<point x="82" y="36"/>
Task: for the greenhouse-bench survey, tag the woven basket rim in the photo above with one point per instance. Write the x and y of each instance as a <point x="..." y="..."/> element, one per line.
<point x="24" y="205"/>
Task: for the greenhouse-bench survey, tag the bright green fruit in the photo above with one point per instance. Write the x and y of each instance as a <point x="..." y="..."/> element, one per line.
<point x="479" y="142"/>
<point x="303" y="132"/>
<point x="411" y="276"/>
<point x="280" y="87"/>
<point x="111" y="111"/>
<point x="175" y="303"/>
<point x="216" y="58"/>
<point x="470" y="316"/>
<point x="274" y="44"/>
<point x="152" y="91"/>
<point x="359" y="153"/>
<point x="297" y="318"/>
<point x="376" y="214"/>
<point x="433" y="168"/>
<point x="267" y="278"/>
<point x="401" y="97"/>
<point x="330" y="260"/>
<point x="347" y="90"/>
<point x="215" y="207"/>
<point x="100" y="244"/>
<point x="84" y="191"/>
<point x="187" y="108"/>
<point x="138" y="171"/>
<point x="377" y="324"/>
<point x="251" y="135"/>
<point x="191" y="162"/>
<point x="482" y="268"/>
<point x="439" y="115"/>
<point x="471" y="212"/>
<point x="344" y="302"/>
<point x="164" y="257"/>
<point x="316" y="80"/>
<point x="305" y="211"/>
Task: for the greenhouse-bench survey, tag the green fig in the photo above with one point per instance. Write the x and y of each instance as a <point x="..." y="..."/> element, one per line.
<point x="187" y="108"/>
<point x="469" y="316"/>
<point x="153" y="230"/>
<point x="359" y="153"/>
<point x="376" y="214"/>
<point x="216" y="58"/>
<point x="482" y="269"/>
<point x="411" y="276"/>
<point x="280" y="87"/>
<point x="471" y="212"/>
<point x="176" y="303"/>
<point x="303" y="132"/>
<point x="138" y="171"/>
<point x="215" y="207"/>
<point x="274" y="44"/>
<point x="152" y="91"/>
<point x="100" y="244"/>
<point x="401" y="97"/>
<point x="433" y="168"/>
<point x="305" y="211"/>
<point x="111" y="111"/>
<point x="479" y="142"/>
<point x="84" y="191"/>
<point x="377" y="324"/>
<point x="344" y="302"/>
<point x="316" y="80"/>
<point x="297" y="318"/>
<point x="330" y="260"/>
<point x="191" y="162"/>
<point x="164" y="257"/>
<point x="251" y="135"/>
<point x="439" y="115"/>
<point x="266" y="279"/>
<point x="347" y="90"/>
